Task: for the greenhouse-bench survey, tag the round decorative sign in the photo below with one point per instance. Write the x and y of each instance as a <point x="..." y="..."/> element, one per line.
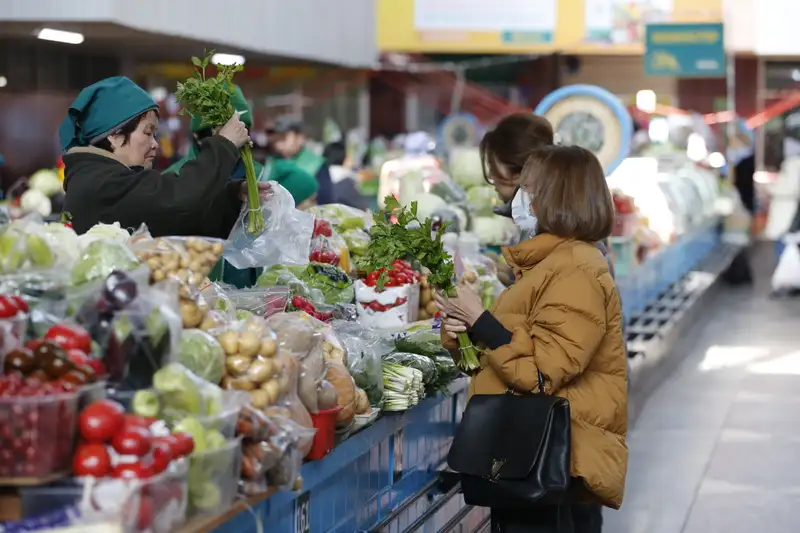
<point x="458" y="130"/>
<point x="590" y="117"/>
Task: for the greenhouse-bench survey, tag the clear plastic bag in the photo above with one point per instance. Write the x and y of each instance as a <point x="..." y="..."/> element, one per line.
<point x="252" y="361"/>
<point x="24" y="247"/>
<point x="365" y="349"/>
<point x="289" y="277"/>
<point x="178" y="393"/>
<point x="787" y="274"/>
<point x="187" y="260"/>
<point x="202" y="354"/>
<point x="146" y="334"/>
<point x="331" y="250"/>
<point x="260" y="301"/>
<point x="215" y="295"/>
<point x="302" y="337"/>
<point x="411" y="360"/>
<point x="286" y="238"/>
<point x="99" y="259"/>
<point x="342" y="217"/>
<point x="438" y="182"/>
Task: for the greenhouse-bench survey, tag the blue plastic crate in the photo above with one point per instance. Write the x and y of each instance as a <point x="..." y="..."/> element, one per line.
<point x="369" y="474"/>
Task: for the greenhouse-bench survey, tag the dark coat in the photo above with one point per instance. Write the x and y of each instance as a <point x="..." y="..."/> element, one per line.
<point x="203" y="201"/>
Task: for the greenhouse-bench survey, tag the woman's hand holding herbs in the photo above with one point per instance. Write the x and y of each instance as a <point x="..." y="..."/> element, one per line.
<point x="461" y="311"/>
<point x="235" y="131"/>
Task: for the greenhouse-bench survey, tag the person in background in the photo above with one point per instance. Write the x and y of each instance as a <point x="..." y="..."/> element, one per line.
<point x="109" y="141"/>
<point x="286" y="139"/>
<point x="345" y="181"/>
<point x="562" y="318"/>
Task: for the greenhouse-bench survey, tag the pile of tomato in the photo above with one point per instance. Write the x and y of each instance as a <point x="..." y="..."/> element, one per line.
<point x="401" y="273"/>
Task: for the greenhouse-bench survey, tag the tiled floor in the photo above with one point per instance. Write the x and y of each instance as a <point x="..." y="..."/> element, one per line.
<point x="717" y="447"/>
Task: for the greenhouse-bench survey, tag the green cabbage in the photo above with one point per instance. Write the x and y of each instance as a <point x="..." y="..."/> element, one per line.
<point x="202" y="354"/>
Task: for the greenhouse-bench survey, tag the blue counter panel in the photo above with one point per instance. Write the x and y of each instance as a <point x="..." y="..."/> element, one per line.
<point x="368" y="475"/>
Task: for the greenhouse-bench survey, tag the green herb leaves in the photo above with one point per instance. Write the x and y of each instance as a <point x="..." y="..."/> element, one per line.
<point x="409" y="239"/>
<point x="208" y="98"/>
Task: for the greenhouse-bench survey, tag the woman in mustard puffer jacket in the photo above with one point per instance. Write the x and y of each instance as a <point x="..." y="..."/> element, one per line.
<point x="561" y="317"/>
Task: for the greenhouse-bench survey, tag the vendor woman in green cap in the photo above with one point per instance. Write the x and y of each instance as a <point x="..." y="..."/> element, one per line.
<point x="301" y="185"/>
<point x="109" y="143"/>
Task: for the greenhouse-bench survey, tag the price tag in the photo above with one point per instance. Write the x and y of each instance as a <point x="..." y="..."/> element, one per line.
<point x="302" y="514"/>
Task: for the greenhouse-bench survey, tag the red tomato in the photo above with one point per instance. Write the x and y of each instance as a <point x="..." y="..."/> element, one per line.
<point x="8" y="307"/>
<point x="392" y="283"/>
<point x="78" y="357"/>
<point x="70" y="337"/>
<point x="186" y="443"/>
<point x="33" y="344"/>
<point x="131" y="420"/>
<point x="137" y="470"/>
<point x="402" y="279"/>
<point x="132" y="441"/>
<point x="161" y="455"/>
<point x="173" y="442"/>
<point x="21" y="304"/>
<point x="91" y="459"/>
<point x="375" y="306"/>
<point x="147" y="512"/>
<point x="100" y="421"/>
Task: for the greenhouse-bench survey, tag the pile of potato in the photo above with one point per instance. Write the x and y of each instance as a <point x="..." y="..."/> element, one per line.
<point x="252" y="363"/>
<point x="186" y="260"/>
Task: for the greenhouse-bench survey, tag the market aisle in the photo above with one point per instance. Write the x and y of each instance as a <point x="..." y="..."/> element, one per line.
<point x="717" y="446"/>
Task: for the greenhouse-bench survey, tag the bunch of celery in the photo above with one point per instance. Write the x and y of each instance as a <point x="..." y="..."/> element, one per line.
<point x="209" y="99"/>
<point x="403" y="387"/>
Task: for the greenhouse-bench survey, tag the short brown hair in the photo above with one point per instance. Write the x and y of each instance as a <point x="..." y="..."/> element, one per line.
<point x="512" y="141"/>
<point x="570" y="196"/>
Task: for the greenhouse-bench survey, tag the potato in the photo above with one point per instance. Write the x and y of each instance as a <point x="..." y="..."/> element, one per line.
<point x="273" y="389"/>
<point x="158" y="275"/>
<point x="191" y="314"/>
<point x="260" y="398"/>
<point x="249" y="343"/>
<point x="470" y="276"/>
<point x="229" y="341"/>
<point x="345" y="387"/>
<point x="425" y="296"/>
<point x="242" y="383"/>
<point x="431" y="308"/>
<point x="423" y="282"/>
<point x="268" y="348"/>
<point x="423" y="314"/>
<point x="237" y="365"/>
<point x="260" y="370"/>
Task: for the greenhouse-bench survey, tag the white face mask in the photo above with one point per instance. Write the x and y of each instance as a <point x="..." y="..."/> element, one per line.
<point x="522" y="216"/>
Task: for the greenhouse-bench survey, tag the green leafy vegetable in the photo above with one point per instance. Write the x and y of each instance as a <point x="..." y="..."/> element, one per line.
<point x="209" y="98"/>
<point x="415" y="240"/>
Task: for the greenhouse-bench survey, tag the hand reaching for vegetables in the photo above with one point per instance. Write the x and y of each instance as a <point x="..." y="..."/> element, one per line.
<point x="235" y="131"/>
<point x="264" y="190"/>
<point x="465" y="308"/>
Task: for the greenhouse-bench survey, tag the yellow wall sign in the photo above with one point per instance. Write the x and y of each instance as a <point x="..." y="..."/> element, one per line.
<point x="602" y="27"/>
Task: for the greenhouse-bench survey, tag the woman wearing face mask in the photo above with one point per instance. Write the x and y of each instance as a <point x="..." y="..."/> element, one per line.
<point x="562" y="318"/>
<point x="109" y="141"/>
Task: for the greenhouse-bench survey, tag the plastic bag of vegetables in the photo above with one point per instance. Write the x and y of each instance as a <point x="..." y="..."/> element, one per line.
<point x="286" y="238"/>
<point x="251" y="361"/>
<point x="202" y="354"/>
<point x="365" y="349"/>
<point x="422" y="363"/>
<point x="106" y="232"/>
<point x="343" y="218"/>
<point x="289" y="276"/>
<point x="186" y="260"/>
<point x="24" y="247"/>
<point x="140" y="335"/>
<point x="99" y="259"/>
<point x="301" y="336"/>
<point x="260" y="301"/>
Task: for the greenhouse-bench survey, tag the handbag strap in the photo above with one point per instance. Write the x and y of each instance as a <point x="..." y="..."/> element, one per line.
<point x="512" y="392"/>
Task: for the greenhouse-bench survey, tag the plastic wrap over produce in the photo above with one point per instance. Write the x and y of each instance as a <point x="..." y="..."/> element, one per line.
<point x="286" y="238"/>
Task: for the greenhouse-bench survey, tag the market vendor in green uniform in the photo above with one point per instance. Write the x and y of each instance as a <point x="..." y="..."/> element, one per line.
<point x="109" y="144"/>
<point x="286" y="139"/>
<point x="299" y="184"/>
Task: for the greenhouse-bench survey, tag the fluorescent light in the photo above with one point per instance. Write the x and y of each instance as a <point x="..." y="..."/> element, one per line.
<point x="227" y="59"/>
<point x="3" y="81"/>
<point x="60" y="36"/>
<point x="159" y="94"/>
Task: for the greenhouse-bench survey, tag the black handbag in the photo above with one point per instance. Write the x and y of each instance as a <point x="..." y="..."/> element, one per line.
<point x="513" y="451"/>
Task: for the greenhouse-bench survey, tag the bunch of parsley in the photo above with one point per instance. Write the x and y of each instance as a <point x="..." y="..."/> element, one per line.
<point x="209" y="99"/>
<point x="412" y="239"/>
